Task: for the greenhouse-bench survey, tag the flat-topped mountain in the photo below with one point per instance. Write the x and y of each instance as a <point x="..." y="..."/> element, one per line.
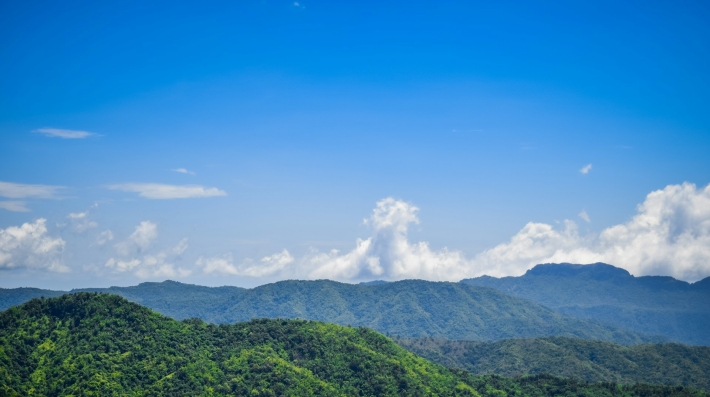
<point x="410" y="308"/>
<point x="650" y="304"/>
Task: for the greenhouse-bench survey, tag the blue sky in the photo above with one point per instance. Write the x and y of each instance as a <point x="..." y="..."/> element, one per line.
<point x="294" y="121"/>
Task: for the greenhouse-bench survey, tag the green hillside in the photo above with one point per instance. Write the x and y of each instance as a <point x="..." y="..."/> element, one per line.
<point x="416" y="308"/>
<point x="651" y="305"/>
<point x="411" y="308"/>
<point x="593" y="361"/>
<point x="102" y="345"/>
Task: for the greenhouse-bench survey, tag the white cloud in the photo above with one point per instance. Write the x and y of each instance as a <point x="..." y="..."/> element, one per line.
<point x="585" y="170"/>
<point x="267" y="266"/>
<point x="65" y="134"/>
<point x="14" y="206"/>
<point x="80" y="221"/>
<point x="153" y="265"/>
<point x="583" y="214"/>
<point x="21" y="190"/>
<point x="139" y="240"/>
<point x="163" y="192"/>
<point x="388" y="254"/>
<point x="104" y="237"/>
<point x="122" y="266"/>
<point x="218" y="264"/>
<point x="533" y="244"/>
<point x="183" y="171"/>
<point x="669" y="235"/>
<point x="29" y="246"/>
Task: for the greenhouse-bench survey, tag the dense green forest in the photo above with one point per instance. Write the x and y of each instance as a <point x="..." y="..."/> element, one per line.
<point x="651" y="305"/>
<point x="102" y="345"/>
<point x="593" y="361"/>
<point x="411" y="308"/>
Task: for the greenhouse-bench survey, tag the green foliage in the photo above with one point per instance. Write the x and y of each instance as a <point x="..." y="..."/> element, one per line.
<point x="410" y="308"/>
<point x="101" y="345"/>
<point x="651" y="305"/>
<point x="593" y="361"/>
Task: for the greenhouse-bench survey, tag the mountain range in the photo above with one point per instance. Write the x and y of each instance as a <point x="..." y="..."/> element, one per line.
<point x="103" y="345"/>
<point x="596" y="301"/>
<point x="592" y="361"/>
<point x="410" y="308"/>
<point x="651" y="305"/>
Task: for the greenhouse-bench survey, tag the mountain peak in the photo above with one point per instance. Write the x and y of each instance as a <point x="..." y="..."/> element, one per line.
<point x="597" y="271"/>
<point x="373" y="282"/>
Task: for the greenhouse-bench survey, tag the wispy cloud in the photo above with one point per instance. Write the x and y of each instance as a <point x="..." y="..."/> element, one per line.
<point x="104" y="237"/>
<point x="183" y="171"/>
<point x="139" y="240"/>
<point x="585" y="170"/>
<point x="80" y="221"/>
<point x="159" y="191"/>
<point x="14" y="206"/>
<point x="153" y="265"/>
<point x="21" y="190"/>
<point x="65" y="134"/>
<point x="583" y="214"/>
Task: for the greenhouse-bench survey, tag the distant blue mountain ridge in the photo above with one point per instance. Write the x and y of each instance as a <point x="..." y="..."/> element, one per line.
<point x="654" y="305"/>
<point x="596" y="301"/>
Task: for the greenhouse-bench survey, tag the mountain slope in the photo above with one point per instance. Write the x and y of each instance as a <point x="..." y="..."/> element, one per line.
<point x="17" y="296"/>
<point x="410" y="308"/>
<point x="592" y="361"/>
<point x="650" y="305"/>
<point x="414" y="308"/>
<point x="89" y="344"/>
<point x="102" y="344"/>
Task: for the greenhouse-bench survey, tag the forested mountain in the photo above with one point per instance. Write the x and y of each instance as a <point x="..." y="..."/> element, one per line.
<point x="593" y="361"/>
<point x="410" y="308"/>
<point x="103" y="345"/>
<point x="16" y="296"/>
<point x="651" y="305"/>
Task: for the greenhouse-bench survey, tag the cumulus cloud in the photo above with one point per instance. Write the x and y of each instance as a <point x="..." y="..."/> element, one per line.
<point x="583" y="214"/>
<point x="585" y="170"/>
<point x="14" y="206"/>
<point x="388" y="254"/>
<point x="160" y="191"/>
<point x="29" y="246"/>
<point x="153" y="265"/>
<point x="65" y="134"/>
<point x="21" y="190"/>
<point x="267" y="266"/>
<point x="669" y="235"/>
<point x="139" y="240"/>
<point x="183" y="171"/>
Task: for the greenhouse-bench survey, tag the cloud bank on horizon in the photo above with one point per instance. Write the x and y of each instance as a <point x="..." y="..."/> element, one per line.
<point x="668" y="235"/>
